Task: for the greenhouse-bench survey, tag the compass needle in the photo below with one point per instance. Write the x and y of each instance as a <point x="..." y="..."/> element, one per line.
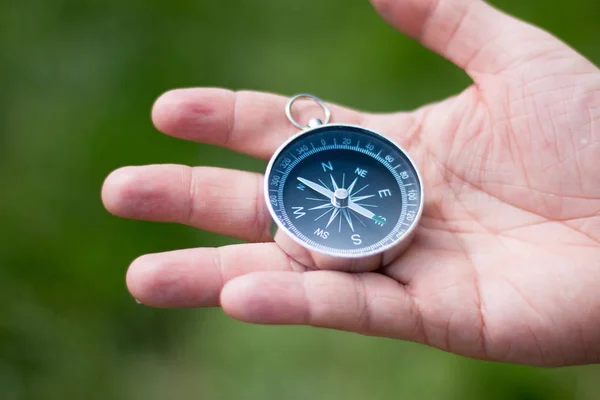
<point x="361" y="210"/>
<point x="317" y="188"/>
<point x="358" y="219"/>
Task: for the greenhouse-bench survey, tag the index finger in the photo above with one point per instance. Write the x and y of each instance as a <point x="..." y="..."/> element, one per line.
<point x="476" y="36"/>
<point x="249" y="122"/>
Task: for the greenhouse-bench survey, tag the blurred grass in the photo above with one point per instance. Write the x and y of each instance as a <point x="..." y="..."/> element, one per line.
<point x="78" y="80"/>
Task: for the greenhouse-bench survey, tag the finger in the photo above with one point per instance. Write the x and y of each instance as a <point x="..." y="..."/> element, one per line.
<point x="195" y="277"/>
<point x="472" y="34"/>
<point x="249" y="122"/>
<point x="219" y="200"/>
<point x="367" y="303"/>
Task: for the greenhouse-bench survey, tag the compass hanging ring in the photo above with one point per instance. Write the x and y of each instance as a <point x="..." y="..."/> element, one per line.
<point x="342" y="196"/>
<point x="312" y="122"/>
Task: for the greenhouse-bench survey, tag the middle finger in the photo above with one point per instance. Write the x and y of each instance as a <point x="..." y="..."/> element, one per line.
<point x="219" y="200"/>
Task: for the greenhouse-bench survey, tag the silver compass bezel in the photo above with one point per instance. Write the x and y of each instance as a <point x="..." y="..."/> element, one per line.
<point x="398" y="242"/>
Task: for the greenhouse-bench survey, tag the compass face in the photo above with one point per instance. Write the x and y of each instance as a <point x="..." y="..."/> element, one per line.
<point x="343" y="191"/>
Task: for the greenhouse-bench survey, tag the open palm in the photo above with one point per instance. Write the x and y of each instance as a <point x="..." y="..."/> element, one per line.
<point x="506" y="263"/>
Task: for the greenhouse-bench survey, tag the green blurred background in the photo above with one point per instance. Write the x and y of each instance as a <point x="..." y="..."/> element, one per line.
<point x="77" y="81"/>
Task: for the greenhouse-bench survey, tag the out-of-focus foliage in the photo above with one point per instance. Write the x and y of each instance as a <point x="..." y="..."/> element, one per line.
<point x="78" y="79"/>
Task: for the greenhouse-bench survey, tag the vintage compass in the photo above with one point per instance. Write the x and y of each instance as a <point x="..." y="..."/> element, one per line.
<point x="342" y="196"/>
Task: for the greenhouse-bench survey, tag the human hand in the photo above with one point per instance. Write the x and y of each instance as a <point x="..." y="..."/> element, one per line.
<point x="506" y="263"/>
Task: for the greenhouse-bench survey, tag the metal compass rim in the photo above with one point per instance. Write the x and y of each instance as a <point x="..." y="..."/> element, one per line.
<point x="280" y="225"/>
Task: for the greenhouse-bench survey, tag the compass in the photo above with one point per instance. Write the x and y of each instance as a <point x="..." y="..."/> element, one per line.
<point x="342" y="196"/>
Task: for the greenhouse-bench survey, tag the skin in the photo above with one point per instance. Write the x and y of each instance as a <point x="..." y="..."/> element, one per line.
<point x="506" y="263"/>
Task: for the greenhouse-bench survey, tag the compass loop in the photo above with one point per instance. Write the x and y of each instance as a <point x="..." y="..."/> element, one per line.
<point x="288" y="109"/>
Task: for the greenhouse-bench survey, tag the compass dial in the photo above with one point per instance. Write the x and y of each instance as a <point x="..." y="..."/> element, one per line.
<point x="344" y="191"/>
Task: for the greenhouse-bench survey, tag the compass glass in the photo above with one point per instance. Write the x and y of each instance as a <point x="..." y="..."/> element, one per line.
<point x="343" y="190"/>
